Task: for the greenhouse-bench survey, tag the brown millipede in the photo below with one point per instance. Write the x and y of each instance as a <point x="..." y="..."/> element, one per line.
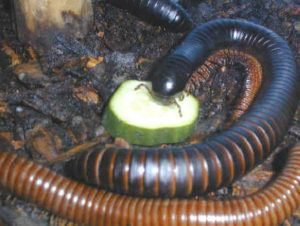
<point x="222" y="158"/>
<point x="187" y="170"/>
<point x="89" y="206"/>
<point x="252" y="82"/>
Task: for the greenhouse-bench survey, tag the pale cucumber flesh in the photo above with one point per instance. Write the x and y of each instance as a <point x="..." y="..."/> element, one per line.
<point x="133" y="114"/>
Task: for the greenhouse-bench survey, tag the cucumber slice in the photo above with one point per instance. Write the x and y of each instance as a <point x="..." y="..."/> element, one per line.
<point x="136" y="116"/>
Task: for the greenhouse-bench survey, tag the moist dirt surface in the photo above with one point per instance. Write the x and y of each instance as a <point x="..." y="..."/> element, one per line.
<point x="51" y="104"/>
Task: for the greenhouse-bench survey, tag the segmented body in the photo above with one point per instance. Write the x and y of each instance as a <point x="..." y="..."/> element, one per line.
<point x="89" y="206"/>
<point x="187" y="170"/>
<point x="166" y="13"/>
<point x="224" y="157"/>
<point x="220" y="62"/>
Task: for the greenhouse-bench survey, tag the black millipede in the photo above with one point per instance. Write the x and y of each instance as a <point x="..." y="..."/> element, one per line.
<point x="166" y="13"/>
<point x="224" y="157"/>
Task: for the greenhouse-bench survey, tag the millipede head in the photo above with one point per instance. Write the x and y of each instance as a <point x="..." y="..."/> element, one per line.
<point x="166" y="84"/>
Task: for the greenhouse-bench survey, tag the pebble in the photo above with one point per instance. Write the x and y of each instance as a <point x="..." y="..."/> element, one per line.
<point x="297" y="26"/>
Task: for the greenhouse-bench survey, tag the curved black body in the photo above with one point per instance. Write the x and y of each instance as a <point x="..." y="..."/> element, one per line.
<point x="165" y="13"/>
<point x="224" y="157"/>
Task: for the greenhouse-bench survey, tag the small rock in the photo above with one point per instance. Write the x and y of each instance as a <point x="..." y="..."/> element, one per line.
<point x="99" y="131"/>
<point x="297" y="26"/>
<point x="31" y="75"/>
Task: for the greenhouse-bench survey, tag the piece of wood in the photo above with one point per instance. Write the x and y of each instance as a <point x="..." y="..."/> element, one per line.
<point x="39" y="20"/>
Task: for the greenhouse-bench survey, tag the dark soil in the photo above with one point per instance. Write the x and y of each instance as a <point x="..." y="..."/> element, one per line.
<point x="51" y="103"/>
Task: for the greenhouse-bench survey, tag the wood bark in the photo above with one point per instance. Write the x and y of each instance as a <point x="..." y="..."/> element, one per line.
<point x="39" y="20"/>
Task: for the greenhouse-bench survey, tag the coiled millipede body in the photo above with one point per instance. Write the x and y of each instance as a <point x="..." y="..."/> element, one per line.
<point x="166" y="13"/>
<point x="89" y="206"/>
<point x="224" y="157"/>
<point x="219" y="61"/>
<point x="187" y="170"/>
